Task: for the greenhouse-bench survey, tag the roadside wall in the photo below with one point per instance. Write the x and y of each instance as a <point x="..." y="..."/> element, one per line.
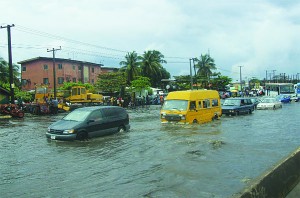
<point x="277" y="181"/>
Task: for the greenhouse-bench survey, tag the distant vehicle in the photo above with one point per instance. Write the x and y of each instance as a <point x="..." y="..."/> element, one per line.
<point x="284" y="98"/>
<point x="192" y="106"/>
<point x="237" y="106"/>
<point x="88" y="122"/>
<point x="269" y="103"/>
<point x="275" y="89"/>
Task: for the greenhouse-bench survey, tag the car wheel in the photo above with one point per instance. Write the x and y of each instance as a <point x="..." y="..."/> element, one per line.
<point x="195" y="121"/>
<point x="236" y="113"/>
<point x="250" y="111"/>
<point x="274" y="107"/>
<point x="82" y="135"/>
<point x="121" y="129"/>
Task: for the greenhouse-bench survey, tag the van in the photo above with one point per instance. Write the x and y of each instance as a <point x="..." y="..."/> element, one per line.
<point x="191" y="106"/>
<point x="88" y="122"/>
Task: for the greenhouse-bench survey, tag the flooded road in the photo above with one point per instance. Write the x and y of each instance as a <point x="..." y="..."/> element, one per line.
<point x="216" y="159"/>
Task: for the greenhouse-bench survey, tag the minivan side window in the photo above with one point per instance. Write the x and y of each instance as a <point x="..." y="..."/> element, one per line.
<point x="215" y="102"/>
<point x="206" y="104"/>
<point x="192" y="105"/>
<point x="199" y="105"/>
<point x="96" y="115"/>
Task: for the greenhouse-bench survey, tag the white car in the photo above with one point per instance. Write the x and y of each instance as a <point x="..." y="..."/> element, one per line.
<point x="269" y="103"/>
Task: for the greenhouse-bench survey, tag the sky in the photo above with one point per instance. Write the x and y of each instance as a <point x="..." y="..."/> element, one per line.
<point x="254" y="39"/>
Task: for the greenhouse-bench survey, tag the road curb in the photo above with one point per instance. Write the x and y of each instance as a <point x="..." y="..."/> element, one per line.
<point x="278" y="181"/>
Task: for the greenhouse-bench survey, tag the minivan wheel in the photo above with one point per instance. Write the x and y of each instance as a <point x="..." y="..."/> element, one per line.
<point x="81" y="136"/>
<point x="121" y="129"/>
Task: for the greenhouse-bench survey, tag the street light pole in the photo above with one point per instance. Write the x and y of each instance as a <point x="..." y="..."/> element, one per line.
<point x="241" y="77"/>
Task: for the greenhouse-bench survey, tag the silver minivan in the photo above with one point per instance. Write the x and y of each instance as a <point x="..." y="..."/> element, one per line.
<point x="88" y="122"/>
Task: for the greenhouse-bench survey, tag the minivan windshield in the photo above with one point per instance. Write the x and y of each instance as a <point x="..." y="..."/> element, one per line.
<point x="77" y="115"/>
<point x="175" y="105"/>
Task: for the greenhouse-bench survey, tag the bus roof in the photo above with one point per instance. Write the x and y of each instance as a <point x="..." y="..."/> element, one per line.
<point x="192" y="95"/>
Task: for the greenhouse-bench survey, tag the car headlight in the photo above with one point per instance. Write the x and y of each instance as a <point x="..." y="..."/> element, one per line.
<point x="68" y="131"/>
<point x="182" y="117"/>
<point x="163" y="115"/>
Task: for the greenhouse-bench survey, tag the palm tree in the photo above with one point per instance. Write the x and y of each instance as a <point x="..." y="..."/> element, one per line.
<point x="4" y="72"/>
<point x="205" y="65"/>
<point x="151" y="65"/>
<point x="131" y="66"/>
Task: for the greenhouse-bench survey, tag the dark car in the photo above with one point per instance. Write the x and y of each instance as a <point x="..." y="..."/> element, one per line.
<point x="88" y="122"/>
<point x="237" y="106"/>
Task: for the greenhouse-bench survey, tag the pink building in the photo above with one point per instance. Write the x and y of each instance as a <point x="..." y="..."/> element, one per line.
<point x="38" y="71"/>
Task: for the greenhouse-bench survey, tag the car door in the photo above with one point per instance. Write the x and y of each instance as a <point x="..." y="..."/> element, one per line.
<point x="95" y="123"/>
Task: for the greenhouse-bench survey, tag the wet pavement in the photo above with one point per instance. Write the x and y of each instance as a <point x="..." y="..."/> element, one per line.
<point x="216" y="159"/>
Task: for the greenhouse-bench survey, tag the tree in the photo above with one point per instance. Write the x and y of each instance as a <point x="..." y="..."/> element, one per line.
<point x="111" y="82"/>
<point x="204" y="65"/>
<point x="140" y="83"/>
<point x="151" y="65"/>
<point x="131" y="66"/>
<point x="4" y="73"/>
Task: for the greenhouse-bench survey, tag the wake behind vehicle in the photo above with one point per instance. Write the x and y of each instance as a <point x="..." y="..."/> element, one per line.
<point x="237" y="106"/>
<point x="191" y="106"/>
<point x="88" y="122"/>
<point x="269" y="103"/>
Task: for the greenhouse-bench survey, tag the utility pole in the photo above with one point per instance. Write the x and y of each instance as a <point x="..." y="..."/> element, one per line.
<point x="191" y="75"/>
<point x="54" y="72"/>
<point x="11" y="75"/>
<point x="241" y="77"/>
<point x="274" y="75"/>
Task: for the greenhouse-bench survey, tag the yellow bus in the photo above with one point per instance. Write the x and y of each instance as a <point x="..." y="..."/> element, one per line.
<point x="191" y="106"/>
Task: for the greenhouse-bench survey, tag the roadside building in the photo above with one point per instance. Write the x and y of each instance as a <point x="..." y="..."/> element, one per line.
<point x="39" y="71"/>
<point x="4" y="96"/>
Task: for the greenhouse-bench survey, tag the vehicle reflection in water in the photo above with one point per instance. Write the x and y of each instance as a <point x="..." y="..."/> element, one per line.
<point x="216" y="159"/>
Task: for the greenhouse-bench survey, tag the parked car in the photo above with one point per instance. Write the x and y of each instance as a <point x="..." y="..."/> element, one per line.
<point x="269" y="103"/>
<point x="88" y="122"/>
<point x="283" y="98"/>
<point x="237" y="106"/>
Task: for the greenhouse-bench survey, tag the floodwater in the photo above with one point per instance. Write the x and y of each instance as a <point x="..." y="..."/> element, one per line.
<point x="216" y="159"/>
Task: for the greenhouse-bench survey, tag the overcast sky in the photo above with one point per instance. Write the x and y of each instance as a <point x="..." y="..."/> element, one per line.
<point x="259" y="35"/>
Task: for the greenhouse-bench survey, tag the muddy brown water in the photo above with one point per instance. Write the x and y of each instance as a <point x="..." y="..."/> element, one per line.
<point x="216" y="159"/>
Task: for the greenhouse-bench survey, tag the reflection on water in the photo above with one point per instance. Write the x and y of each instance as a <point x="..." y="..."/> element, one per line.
<point x="215" y="159"/>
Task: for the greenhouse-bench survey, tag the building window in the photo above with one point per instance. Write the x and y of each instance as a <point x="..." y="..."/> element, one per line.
<point x="74" y="67"/>
<point x="59" y="66"/>
<point x="74" y="79"/>
<point x="60" y="80"/>
<point x="45" y="81"/>
<point x="79" y="67"/>
<point x="24" y="68"/>
<point x="93" y="69"/>
<point x="45" y="67"/>
<point x="92" y="81"/>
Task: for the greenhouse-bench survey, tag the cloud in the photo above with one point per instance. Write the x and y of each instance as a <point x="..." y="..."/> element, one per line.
<point x="259" y="34"/>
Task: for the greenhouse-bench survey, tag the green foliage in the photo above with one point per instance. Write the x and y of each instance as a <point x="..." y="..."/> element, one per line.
<point x="26" y="96"/>
<point x="140" y="83"/>
<point x="69" y="85"/>
<point x="4" y="73"/>
<point x="220" y="82"/>
<point x="111" y="82"/>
